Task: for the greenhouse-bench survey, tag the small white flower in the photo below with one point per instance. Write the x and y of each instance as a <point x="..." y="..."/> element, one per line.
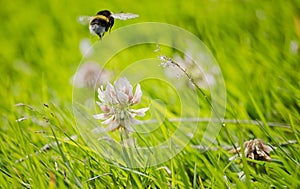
<point x="165" y="61"/>
<point x="116" y="101"/>
<point x="202" y="77"/>
<point x="90" y="74"/>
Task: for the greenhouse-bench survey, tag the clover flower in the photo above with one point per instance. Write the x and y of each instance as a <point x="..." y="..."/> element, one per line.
<point x="116" y="103"/>
<point x="90" y="74"/>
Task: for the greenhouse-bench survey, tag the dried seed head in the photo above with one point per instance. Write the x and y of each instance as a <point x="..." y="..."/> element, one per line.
<point x="256" y="149"/>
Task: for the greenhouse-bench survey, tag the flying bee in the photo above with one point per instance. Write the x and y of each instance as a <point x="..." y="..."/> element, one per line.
<point x="103" y="21"/>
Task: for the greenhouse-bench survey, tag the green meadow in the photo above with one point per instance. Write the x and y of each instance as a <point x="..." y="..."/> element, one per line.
<point x="255" y="43"/>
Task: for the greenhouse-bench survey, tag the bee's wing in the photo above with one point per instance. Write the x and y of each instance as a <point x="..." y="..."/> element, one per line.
<point x="84" y="20"/>
<point x="124" y="16"/>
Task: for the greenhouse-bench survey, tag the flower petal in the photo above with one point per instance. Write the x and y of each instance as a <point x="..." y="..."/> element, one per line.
<point x="105" y="108"/>
<point x="122" y="84"/>
<point x="101" y="94"/>
<point x="109" y="120"/>
<point x="113" y="126"/>
<point x="137" y="95"/>
<point x="140" y="112"/>
<point x="110" y="94"/>
<point x="122" y="97"/>
<point x="101" y="116"/>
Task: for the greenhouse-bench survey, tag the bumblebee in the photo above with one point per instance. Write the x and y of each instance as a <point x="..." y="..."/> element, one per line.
<point x="103" y="21"/>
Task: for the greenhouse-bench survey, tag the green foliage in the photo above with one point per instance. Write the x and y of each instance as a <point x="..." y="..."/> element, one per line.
<point x="252" y="41"/>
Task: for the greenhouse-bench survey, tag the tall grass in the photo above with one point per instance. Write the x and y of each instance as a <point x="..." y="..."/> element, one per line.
<point x="256" y="44"/>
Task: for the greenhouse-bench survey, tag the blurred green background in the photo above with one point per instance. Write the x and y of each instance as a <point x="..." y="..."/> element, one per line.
<point x="256" y="44"/>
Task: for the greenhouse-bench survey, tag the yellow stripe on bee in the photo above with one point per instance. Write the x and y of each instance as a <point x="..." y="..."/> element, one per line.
<point x="101" y="17"/>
